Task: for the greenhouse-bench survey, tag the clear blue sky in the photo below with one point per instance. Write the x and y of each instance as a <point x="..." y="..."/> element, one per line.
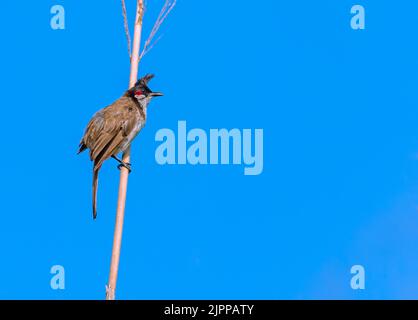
<point x="339" y="111"/>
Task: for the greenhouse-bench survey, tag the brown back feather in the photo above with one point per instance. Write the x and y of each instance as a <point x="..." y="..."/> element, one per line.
<point x="105" y="133"/>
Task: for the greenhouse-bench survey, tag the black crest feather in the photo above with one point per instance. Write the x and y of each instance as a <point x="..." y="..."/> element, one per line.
<point x="144" y="80"/>
<point x="141" y="84"/>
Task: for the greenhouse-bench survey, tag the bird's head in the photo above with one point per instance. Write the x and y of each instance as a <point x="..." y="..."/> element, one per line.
<point x="142" y="92"/>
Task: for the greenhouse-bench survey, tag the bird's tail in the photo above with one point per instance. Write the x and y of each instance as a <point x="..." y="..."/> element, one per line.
<point x="81" y="147"/>
<point x="95" y="183"/>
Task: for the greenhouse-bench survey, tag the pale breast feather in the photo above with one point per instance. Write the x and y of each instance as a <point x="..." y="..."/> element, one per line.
<point x="134" y="126"/>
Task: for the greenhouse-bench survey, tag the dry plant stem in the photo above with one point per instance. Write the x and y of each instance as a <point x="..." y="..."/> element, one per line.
<point x="126" y="26"/>
<point x="165" y="11"/>
<point x="123" y="182"/>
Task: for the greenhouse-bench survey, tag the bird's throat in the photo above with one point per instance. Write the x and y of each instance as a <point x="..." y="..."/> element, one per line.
<point x="142" y="105"/>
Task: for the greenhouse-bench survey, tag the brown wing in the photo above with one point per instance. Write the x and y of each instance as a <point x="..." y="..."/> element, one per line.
<point x="108" y="128"/>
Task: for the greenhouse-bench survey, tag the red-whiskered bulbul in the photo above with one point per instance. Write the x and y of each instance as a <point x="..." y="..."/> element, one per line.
<point x="112" y="129"/>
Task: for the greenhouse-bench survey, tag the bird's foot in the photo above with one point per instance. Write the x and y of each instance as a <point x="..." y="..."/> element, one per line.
<point x="125" y="165"/>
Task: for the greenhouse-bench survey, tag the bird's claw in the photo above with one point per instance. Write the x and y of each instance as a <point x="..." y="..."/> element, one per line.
<point x="125" y="165"/>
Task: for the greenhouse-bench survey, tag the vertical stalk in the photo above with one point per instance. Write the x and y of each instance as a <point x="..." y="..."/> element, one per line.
<point x="123" y="182"/>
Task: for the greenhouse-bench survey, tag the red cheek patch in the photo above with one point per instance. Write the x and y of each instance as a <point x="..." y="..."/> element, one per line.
<point x="138" y="93"/>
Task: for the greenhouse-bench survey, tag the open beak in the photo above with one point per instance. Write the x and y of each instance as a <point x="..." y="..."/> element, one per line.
<point x="156" y="94"/>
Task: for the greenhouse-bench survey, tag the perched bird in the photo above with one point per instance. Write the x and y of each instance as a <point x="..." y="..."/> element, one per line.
<point x="112" y="129"/>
